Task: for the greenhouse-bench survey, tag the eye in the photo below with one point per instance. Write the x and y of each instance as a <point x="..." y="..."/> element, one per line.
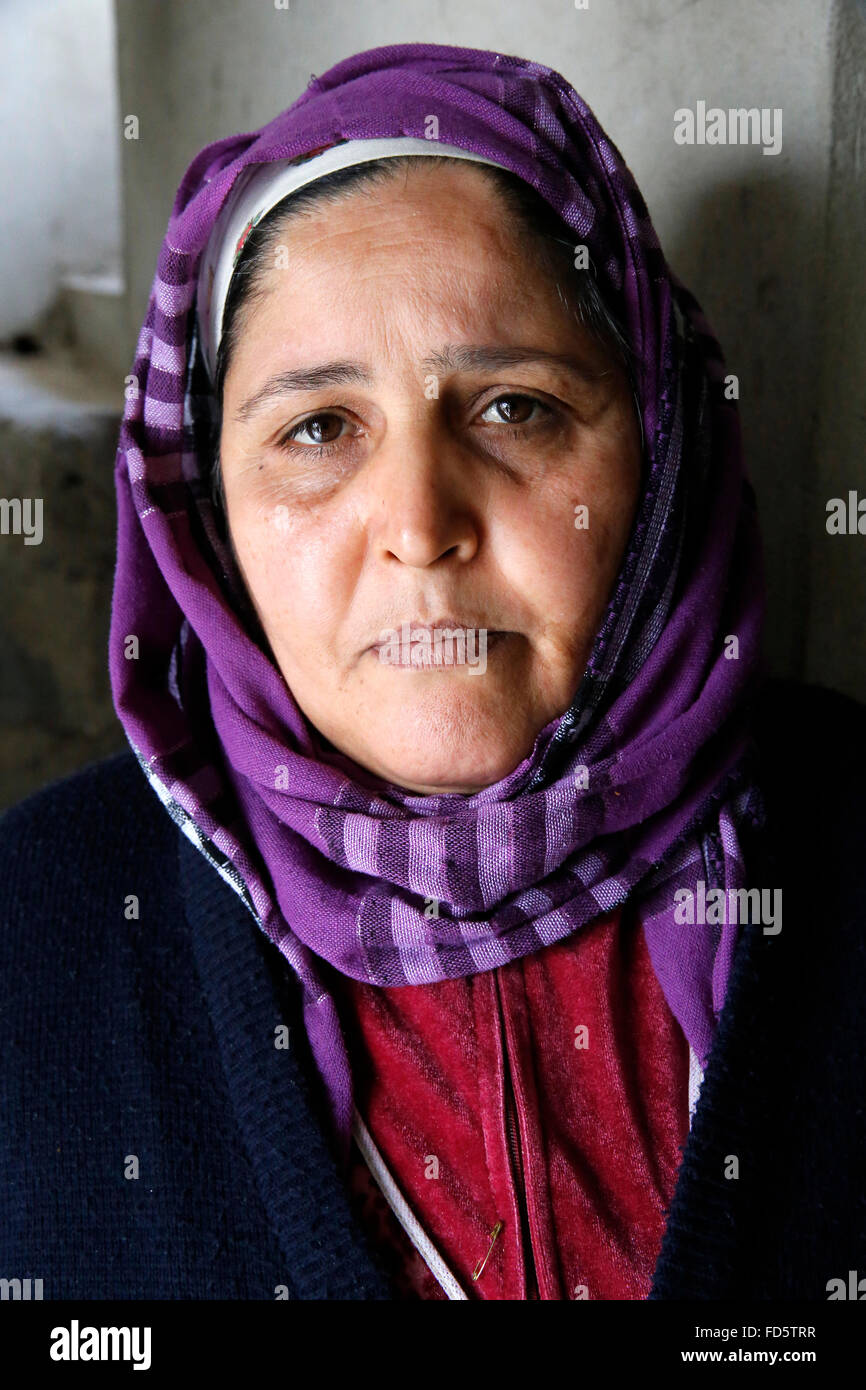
<point x="517" y="410"/>
<point x="320" y="427"/>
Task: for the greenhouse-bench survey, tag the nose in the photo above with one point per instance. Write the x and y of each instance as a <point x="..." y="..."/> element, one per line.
<point x="421" y="508"/>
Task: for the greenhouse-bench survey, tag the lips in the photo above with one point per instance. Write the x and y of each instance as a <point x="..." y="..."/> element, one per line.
<point x="422" y="631"/>
<point x="428" y="625"/>
<point x="441" y="645"/>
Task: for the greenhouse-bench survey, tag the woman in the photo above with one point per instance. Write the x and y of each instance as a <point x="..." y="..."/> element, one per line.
<point x="436" y="630"/>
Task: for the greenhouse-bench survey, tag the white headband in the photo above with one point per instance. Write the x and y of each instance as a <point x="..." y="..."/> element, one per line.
<point x="257" y="189"/>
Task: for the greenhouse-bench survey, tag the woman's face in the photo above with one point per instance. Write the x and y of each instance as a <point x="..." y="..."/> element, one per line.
<point x="411" y="421"/>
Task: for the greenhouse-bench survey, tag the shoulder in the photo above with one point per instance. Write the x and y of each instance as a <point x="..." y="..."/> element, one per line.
<point x="73" y="853"/>
<point x="106" y="787"/>
<point x="813" y="714"/>
<point x="96" y="818"/>
<point x="812" y="771"/>
<point x="109" y="1051"/>
<point x="812" y="750"/>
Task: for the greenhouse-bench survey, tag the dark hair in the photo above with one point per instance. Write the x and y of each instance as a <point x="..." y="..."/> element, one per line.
<point x="578" y="289"/>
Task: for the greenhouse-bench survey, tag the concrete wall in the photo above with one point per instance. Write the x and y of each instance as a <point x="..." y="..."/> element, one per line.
<point x="60" y="230"/>
<point x="835" y="637"/>
<point x="60" y="153"/>
<point x="55" y="702"/>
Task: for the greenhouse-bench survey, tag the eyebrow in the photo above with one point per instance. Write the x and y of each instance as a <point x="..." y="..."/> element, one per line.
<point x="467" y="357"/>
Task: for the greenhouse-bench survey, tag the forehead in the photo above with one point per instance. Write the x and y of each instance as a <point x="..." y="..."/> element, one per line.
<point x="424" y="190"/>
<point x="430" y="241"/>
<point x="453" y="212"/>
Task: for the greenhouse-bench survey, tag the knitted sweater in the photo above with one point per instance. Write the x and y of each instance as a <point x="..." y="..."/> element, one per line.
<point x="155" y="1142"/>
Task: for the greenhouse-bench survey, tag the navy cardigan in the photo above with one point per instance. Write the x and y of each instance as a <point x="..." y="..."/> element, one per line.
<point x="147" y="1045"/>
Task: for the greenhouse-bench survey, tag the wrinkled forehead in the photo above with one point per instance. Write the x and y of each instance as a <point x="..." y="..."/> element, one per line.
<point x="258" y="189"/>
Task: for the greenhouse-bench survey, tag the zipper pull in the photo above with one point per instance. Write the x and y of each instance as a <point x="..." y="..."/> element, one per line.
<point x="483" y="1261"/>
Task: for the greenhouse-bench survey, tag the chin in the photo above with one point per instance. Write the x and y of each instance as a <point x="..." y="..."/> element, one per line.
<point x="457" y="761"/>
<point x="439" y="780"/>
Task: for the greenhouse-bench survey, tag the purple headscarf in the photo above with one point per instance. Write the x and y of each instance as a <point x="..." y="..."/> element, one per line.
<point x="334" y="865"/>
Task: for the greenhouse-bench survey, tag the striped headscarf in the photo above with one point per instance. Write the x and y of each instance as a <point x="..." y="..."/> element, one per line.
<point x="333" y="867"/>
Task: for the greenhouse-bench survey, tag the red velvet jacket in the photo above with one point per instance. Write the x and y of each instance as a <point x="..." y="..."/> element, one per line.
<point x="549" y="1095"/>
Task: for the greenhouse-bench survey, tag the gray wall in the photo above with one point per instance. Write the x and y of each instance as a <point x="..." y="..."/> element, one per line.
<point x="835" y="638"/>
<point x="59" y="155"/>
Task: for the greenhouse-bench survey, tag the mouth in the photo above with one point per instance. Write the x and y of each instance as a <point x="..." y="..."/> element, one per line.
<point x="440" y="646"/>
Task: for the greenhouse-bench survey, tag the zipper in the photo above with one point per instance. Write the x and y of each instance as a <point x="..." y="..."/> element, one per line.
<point x="512" y="1132"/>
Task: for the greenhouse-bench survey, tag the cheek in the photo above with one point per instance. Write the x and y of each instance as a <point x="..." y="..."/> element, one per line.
<point x="297" y="567"/>
<point x="607" y="488"/>
<point x="561" y="558"/>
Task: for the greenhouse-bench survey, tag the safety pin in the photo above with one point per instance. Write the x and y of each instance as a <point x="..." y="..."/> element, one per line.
<point x="482" y="1262"/>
